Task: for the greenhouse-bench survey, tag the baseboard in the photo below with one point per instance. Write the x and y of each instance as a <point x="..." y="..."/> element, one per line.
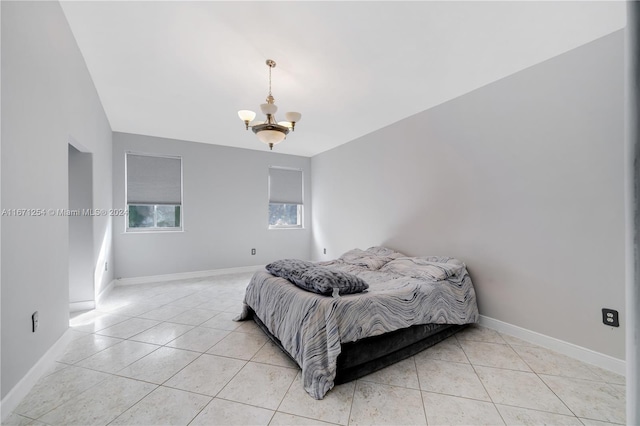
<point x="186" y="275"/>
<point x="22" y="388"/>
<point x="82" y="306"/>
<point x="574" y="351"/>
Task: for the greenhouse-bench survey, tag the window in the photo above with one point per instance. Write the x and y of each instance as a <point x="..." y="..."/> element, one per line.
<point x="285" y="198"/>
<point x="154" y="193"/>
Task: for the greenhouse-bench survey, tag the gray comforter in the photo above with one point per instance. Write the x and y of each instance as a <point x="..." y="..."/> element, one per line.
<point x="402" y="292"/>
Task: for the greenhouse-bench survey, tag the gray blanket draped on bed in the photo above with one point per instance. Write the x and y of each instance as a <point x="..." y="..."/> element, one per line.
<point x="311" y="327"/>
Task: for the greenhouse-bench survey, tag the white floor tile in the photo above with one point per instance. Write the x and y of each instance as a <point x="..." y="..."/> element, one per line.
<point x="451" y="410"/>
<point x="283" y="419"/>
<point x="223" y="321"/>
<point x="163" y="313"/>
<point x="521" y="389"/>
<point x="84" y="347"/>
<point x="222" y="412"/>
<point x="130" y="309"/>
<point x="592" y="400"/>
<point x="207" y="375"/>
<point x="18" y="420"/>
<point x="545" y="361"/>
<point x="194" y="316"/>
<point x="199" y="339"/>
<point x="164" y="406"/>
<point x="95" y="321"/>
<point x="334" y="408"/>
<point x="56" y="389"/>
<point x="162" y="333"/>
<point x="160" y="365"/>
<point x="450" y="378"/>
<point x="118" y="356"/>
<point x="128" y="328"/>
<point x="493" y="355"/>
<point x="478" y="333"/>
<point x="101" y="404"/>
<point x="378" y="404"/>
<point x="447" y="350"/>
<point x="526" y="417"/>
<point x="271" y="354"/>
<point x="261" y="385"/>
<point x="402" y="373"/>
<point x="239" y="345"/>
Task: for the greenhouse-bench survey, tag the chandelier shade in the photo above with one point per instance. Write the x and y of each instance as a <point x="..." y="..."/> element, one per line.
<point x="270" y="131"/>
<point x="271" y="137"/>
<point x="246" y="115"/>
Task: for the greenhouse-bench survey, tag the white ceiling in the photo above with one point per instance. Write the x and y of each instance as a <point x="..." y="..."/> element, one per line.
<point x="183" y="69"/>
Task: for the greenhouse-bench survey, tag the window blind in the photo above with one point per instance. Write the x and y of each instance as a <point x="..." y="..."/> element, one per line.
<point x="285" y="186"/>
<point x="154" y="180"/>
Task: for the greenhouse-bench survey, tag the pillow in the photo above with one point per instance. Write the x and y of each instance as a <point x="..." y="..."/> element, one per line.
<point x="417" y="267"/>
<point x="289" y="269"/>
<point x="322" y="280"/>
<point x="364" y="259"/>
<point x="384" y="251"/>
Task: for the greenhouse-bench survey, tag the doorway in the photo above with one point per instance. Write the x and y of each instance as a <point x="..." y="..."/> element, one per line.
<point x="81" y="268"/>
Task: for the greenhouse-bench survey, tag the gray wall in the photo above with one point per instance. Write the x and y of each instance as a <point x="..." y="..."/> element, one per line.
<point x="225" y="205"/>
<point x="48" y="99"/>
<point x="521" y="179"/>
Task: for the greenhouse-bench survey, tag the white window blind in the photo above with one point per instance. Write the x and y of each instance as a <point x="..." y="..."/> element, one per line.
<point x="154" y="180"/>
<point x="285" y="186"/>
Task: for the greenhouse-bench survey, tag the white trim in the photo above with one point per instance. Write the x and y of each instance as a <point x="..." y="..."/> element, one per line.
<point x="22" y="388"/>
<point x="186" y="275"/>
<point x="87" y="305"/>
<point x="578" y="352"/>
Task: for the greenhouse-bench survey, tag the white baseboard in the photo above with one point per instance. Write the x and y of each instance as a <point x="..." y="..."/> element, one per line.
<point x="186" y="275"/>
<point x="574" y="351"/>
<point x="22" y="388"/>
<point x="82" y="306"/>
<point x="91" y="304"/>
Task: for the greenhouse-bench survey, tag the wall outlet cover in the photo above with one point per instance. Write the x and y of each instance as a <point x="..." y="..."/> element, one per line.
<point x="610" y="317"/>
<point x="34" y="322"/>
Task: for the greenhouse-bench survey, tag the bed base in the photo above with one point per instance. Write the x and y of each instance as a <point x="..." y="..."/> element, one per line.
<point x="357" y="359"/>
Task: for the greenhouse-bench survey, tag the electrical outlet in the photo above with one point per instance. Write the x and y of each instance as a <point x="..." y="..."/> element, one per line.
<point x="610" y="317"/>
<point x="253" y="252"/>
<point x="325" y="251"/>
<point x="106" y="266"/>
<point x="34" y="322"/>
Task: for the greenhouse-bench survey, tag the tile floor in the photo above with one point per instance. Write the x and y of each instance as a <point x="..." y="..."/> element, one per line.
<point x="170" y="354"/>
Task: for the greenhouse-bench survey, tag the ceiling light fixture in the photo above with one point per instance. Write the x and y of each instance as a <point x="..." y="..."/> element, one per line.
<point x="270" y="131"/>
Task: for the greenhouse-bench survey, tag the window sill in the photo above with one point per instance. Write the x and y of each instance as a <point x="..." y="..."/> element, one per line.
<point x="154" y="231"/>
<point x="285" y="228"/>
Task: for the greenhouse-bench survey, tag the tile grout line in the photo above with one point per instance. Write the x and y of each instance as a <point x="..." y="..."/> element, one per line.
<point x="480" y="380"/>
<point x="542" y="380"/>
<point x="424" y="407"/>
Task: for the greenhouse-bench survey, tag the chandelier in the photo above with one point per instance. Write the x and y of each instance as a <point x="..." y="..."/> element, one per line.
<point x="270" y="131"/>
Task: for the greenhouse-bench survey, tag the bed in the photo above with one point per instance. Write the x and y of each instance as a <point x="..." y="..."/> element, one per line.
<point x="408" y="304"/>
